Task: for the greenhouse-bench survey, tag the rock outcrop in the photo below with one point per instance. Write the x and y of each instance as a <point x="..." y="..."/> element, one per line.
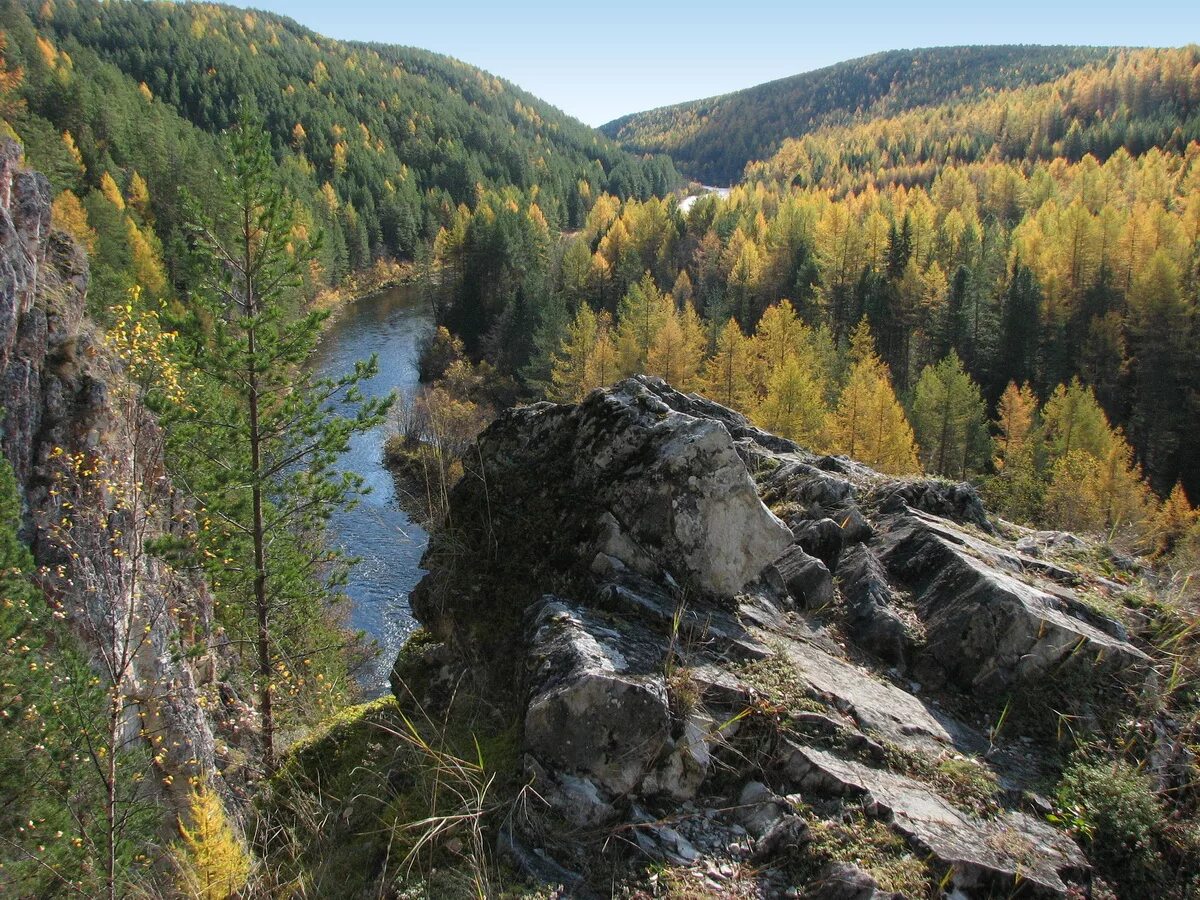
<point x="65" y="412"/>
<point x="719" y="645"/>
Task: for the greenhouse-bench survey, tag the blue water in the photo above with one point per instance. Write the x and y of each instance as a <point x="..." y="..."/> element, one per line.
<point x="377" y="531"/>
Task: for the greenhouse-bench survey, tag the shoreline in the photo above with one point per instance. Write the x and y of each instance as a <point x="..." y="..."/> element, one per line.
<point x="363" y="284"/>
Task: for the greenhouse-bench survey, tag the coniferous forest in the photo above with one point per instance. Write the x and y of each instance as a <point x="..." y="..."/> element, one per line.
<point x="973" y="265"/>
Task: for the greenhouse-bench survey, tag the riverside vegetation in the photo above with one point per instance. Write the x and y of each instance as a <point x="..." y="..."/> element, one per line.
<point x="809" y="701"/>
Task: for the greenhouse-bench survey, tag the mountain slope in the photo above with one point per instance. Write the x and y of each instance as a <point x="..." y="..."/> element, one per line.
<point x="714" y="138"/>
<point x="1138" y="101"/>
<point x="400" y="136"/>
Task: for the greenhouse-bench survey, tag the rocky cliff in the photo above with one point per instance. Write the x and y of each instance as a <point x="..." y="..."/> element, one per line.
<point x="87" y="458"/>
<point x="780" y="674"/>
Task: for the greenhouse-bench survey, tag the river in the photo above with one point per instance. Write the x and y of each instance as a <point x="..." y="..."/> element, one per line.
<point x="377" y="531"/>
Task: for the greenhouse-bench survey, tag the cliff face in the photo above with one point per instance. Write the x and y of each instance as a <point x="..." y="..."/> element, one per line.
<point x="722" y="650"/>
<point x="87" y="457"/>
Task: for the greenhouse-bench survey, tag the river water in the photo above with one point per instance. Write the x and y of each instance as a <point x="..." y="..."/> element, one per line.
<point x="377" y="531"/>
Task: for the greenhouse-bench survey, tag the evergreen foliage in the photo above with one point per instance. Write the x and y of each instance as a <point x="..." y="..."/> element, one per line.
<point x="259" y="440"/>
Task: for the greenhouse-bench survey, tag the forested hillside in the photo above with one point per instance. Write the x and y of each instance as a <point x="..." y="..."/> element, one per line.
<point x="380" y="144"/>
<point x="1046" y="237"/>
<point x="713" y="139"/>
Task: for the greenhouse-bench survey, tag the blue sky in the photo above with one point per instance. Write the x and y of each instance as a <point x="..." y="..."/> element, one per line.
<point x="600" y="60"/>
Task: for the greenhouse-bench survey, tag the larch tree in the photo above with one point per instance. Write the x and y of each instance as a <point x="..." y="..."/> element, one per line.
<point x="677" y="351"/>
<point x="210" y="860"/>
<point x="794" y="406"/>
<point x="779" y="335"/>
<point x="1014" y="421"/>
<point x="1126" y="502"/>
<point x="948" y="418"/>
<point x="1073" y="420"/>
<point x="1174" y="519"/>
<point x="869" y="423"/>
<point x="642" y="312"/>
<point x="1017" y="489"/>
<point x="570" y="366"/>
<point x="727" y="372"/>
<point x="265" y="435"/>
<point x="604" y="365"/>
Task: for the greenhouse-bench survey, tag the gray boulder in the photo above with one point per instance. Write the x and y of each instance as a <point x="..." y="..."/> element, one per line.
<point x="805" y="578"/>
<point x="987" y="628"/>
<point x="598" y="715"/>
<point x="982" y="856"/>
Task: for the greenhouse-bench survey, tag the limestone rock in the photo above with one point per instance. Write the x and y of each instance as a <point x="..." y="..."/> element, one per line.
<point x="688" y="668"/>
<point x="987" y="628"/>
<point x="822" y="538"/>
<point x="57" y="385"/>
<point x="873" y="608"/>
<point x="598" y="707"/>
<point x="806" y="578"/>
<point x="877" y="707"/>
<point x="624" y="483"/>
<point x="983" y="855"/>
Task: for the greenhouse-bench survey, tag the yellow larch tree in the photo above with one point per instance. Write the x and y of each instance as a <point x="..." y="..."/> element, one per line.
<point x="108" y="187"/>
<point x="1014" y="421"/>
<point x="569" y="367"/>
<point x="1174" y="519"/>
<point x="67" y="213"/>
<point x="211" y="861"/>
<point x="604" y="365"/>
<point x="677" y="351"/>
<point x="642" y="312"/>
<point x="147" y="266"/>
<point x="139" y="197"/>
<point x="869" y="423"/>
<point x="779" y="334"/>
<point x="73" y="150"/>
<point x="794" y="407"/>
<point x="727" y="373"/>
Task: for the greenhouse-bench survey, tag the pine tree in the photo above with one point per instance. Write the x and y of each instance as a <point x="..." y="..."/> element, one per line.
<point x="1159" y="324"/>
<point x="266" y="417"/>
<point x="948" y="418"/>
<point x="1019" y="328"/>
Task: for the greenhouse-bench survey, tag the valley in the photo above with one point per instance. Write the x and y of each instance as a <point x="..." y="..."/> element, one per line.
<point x="781" y="494"/>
